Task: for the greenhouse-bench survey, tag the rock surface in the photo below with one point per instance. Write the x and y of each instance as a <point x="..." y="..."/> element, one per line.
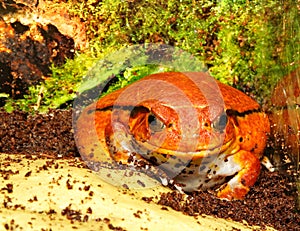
<point x="47" y="194"/>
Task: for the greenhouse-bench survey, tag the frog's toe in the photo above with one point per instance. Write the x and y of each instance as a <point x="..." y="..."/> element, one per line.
<point x="233" y="190"/>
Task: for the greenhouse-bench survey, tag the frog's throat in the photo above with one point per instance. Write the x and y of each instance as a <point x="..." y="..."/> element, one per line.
<point x="229" y="148"/>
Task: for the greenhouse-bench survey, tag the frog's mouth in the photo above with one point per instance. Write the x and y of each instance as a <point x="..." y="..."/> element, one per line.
<point x="120" y="140"/>
<point x="229" y="148"/>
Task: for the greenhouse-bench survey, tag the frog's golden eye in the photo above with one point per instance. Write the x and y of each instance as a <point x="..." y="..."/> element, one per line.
<point x="155" y="124"/>
<point x="220" y="123"/>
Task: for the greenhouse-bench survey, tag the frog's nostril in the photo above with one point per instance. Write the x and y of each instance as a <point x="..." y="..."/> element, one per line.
<point x="170" y="125"/>
<point x="206" y="124"/>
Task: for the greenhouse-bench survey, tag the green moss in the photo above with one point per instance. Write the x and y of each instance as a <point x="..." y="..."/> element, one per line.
<point x="247" y="44"/>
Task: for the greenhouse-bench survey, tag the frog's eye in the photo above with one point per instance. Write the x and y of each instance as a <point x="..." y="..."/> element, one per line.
<point x="220" y="123"/>
<point x="155" y="124"/>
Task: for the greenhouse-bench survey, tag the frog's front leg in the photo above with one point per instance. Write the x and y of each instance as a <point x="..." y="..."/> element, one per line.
<point x="120" y="145"/>
<point x="238" y="186"/>
<point x="125" y="151"/>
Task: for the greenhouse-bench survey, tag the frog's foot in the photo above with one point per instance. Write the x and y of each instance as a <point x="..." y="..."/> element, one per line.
<point x="238" y="186"/>
<point x="267" y="163"/>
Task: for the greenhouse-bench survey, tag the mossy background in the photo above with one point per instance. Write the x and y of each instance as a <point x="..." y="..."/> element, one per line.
<point x="247" y="44"/>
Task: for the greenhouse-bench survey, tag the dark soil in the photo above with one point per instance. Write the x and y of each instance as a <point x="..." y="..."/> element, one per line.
<point x="24" y="60"/>
<point x="48" y="134"/>
<point x="270" y="202"/>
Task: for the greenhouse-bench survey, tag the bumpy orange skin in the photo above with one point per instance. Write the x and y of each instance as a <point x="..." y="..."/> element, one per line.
<point x="188" y="105"/>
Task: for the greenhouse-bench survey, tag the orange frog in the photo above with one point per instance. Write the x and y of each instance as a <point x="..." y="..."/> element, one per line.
<point x="201" y="133"/>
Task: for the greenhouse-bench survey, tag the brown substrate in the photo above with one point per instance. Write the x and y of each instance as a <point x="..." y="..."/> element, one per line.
<point x="270" y="202"/>
<point x="50" y="134"/>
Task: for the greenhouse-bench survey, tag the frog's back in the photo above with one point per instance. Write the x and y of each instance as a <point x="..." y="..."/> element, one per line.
<point x="198" y="87"/>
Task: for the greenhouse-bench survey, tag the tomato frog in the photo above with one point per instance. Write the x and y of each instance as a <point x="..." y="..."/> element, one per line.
<point x="202" y="134"/>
